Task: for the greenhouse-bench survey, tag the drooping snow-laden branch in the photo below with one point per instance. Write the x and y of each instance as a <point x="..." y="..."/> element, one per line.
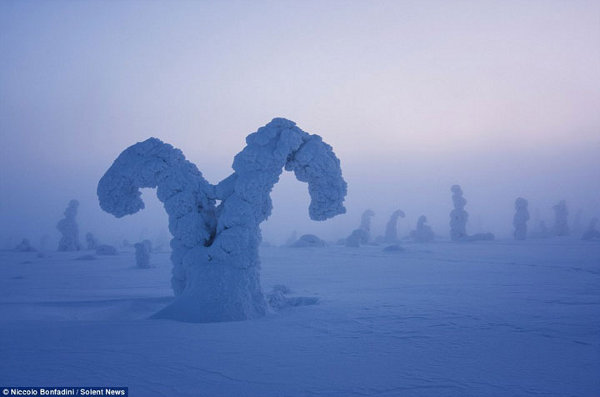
<point x="215" y="246"/>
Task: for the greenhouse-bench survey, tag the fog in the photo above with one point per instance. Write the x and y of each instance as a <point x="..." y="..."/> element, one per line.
<point x="499" y="97"/>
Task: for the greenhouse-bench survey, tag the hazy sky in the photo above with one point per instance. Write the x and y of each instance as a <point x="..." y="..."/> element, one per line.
<point x="502" y="97"/>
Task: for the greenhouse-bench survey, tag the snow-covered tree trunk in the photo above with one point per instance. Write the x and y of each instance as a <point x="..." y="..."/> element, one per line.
<point x="215" y="247"/>
<point x="520" y="219"/>
<point x="69" y="229"/>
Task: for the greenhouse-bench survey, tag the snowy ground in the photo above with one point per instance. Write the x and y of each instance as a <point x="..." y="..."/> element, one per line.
<point x="482" y="319"/>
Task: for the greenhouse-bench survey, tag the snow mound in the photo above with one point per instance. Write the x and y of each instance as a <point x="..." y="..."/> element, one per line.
<point x="25" y="246"/>
<point x="393" y="248"/>
<point x="278" y="299"/>
<point x="105" y="249"/>
<point x="308" y="240"/>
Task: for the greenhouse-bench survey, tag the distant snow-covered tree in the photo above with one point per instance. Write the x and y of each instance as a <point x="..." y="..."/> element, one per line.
<point x="591" y="233"/>
<point x="142" y="253"/>
<point x="365" y="225"/>
<point x="24" y="246"/>
<point x="391" y="228"/>
<point x="291" y="239"/>
<point x="561" y="224"/>
<point x="215" y="228"/>
<point x="520" y="219"/>
<point x="423" y="233"/>
<point x="69" y="229"/>
<point x="91" y="241"/>
<point x="362" y="235"/>
<point x="459" y="218"/>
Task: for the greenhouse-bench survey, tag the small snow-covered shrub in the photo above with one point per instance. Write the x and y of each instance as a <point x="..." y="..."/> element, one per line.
<point x="279" y="300"/>
<point x="25" y="246"/>
<point x="423" y="233"/>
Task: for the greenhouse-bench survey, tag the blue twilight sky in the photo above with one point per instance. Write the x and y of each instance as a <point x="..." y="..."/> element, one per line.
<point x="502" y="97"/>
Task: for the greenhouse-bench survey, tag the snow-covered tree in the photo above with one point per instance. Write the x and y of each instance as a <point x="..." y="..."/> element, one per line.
<point x="362" y="235"/>
<point x="215" y="228"/>
<point x="520" y="219"/>
<point x="142" y="253"/>
<point x="391" y="228"/>
<point x="591" y="233"/>
<point x="423" y="233"/>
<point x="291" y="239"/>
<point x="91" y="241"/>
<point x="561" y="224"/>
<point x="365" y="225"/>
<point x="69" y="229"/>
<point x="578" y="229"/>
<point x="25" y="246"/>
<point x="459" y="218"/>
